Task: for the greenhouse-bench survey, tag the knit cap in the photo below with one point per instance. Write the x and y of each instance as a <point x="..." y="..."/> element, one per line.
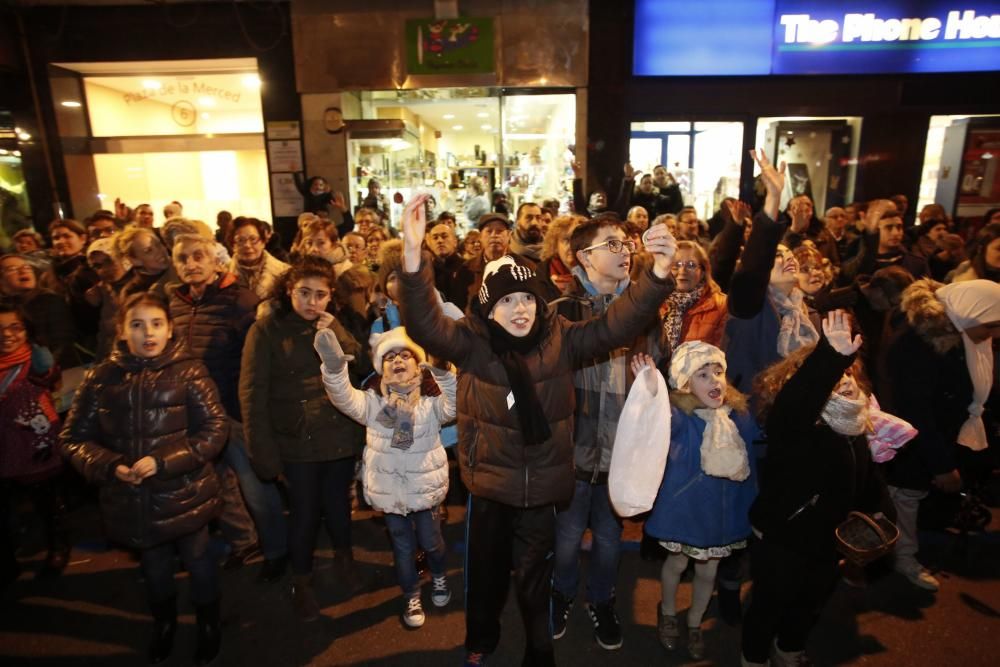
<point x="393" y="339"/>
<point x="691" y="356"/>
<point x="505" y="276"/>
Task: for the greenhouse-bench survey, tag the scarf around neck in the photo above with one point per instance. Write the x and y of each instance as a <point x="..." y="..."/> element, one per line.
<point x="846" y="416"/>
<point x="796" y="330"/>
<point x="723" y="450"/>
<point x="397" y="413"/>
<point x="677" y="305"/>
<point x="511" y="350"/>
<point x="12" y="364"/>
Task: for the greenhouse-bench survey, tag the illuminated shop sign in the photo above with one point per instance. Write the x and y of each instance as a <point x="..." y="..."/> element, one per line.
<point x="747" y="37"/>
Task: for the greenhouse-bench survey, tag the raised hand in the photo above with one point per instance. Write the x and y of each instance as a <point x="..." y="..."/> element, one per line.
<point x="662" y="245"/>
<point x="338" y="201"/>
<point x="324" y="320"/>
<point x="121" y="210"/>
<point x="630" y="173"/>
<point x="876" y="210"/>
<point x="577" y="168"/>
<point x="739" y="212"/>
<point x="328" y="347"/>
<point x="800" y="219"/>
<point x="641" y="362"/>
<point x="837" y="329"/>
<point x="414" y="229"/>
<point x="773" y="179"/>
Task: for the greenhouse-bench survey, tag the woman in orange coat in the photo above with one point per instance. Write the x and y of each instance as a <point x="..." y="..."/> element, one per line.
<point x="696" y="310"/>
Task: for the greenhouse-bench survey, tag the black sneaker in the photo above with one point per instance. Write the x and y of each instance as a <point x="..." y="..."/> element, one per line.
<point x="607" y="629"/>
<point x="561" y="606"/>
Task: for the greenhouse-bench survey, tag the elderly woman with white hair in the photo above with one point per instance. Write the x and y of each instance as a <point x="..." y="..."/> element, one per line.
<point x="939" y="374"/>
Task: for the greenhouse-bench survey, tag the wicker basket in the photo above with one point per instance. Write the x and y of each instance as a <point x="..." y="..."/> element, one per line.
<point x="862" y="538"/>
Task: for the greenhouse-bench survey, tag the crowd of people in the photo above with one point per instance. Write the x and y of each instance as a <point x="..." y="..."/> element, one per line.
<point x="814" y="368"/>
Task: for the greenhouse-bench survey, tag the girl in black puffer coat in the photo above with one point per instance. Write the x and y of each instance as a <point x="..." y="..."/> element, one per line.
<point x="146" y="425"/>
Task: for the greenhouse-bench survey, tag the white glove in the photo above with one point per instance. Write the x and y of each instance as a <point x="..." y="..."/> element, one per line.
<point x="328" y="347"/>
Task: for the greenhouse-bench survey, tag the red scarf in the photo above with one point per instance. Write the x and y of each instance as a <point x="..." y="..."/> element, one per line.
<point x="18" y="356"/>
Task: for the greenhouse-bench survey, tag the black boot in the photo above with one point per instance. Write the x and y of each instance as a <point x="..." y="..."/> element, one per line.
<point x="164" y="627"/>
<point x="209" y="633"/>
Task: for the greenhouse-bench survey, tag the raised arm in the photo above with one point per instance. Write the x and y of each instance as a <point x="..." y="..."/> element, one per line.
<point x="352" y="402"/>
<point x="800" y="402"/>
<point x="725" y="249"/>
<point x="445" y="405"/>
<point x="425" y="323"/>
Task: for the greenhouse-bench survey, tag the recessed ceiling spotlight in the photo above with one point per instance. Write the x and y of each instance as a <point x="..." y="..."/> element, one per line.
<point x="251" y="81"/>
<point x="482" y="114"/>
<point x="486" y="127"/>
<point x="456" y="127"/>
<point x="72" y="104"/>
<point x="448" y="116"/>
<point x="152" y="84"/>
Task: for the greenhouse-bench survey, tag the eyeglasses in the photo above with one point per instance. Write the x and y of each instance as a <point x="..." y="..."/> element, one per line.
<point x="306" y="294"/>
<point x="246" y="240"/>
<point x="405" y="355"/>
<point x="15" y="329"/>
<point x="690" y="265"/>
<point x="614" y="246"/>
<point x="10" y="270"/>
<point x="809" y="268"/>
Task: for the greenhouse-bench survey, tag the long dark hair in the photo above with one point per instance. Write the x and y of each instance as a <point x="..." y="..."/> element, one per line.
<point x="308" y="266"/>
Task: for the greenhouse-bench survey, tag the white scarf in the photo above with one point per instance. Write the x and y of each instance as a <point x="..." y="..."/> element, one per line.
<point x="846" y="416"/>
<point x="796" y="328"/>
<point x="723" y="451"/>
<point x="969" y="304"/>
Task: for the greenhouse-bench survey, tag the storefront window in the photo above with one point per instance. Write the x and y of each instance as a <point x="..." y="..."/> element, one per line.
<point x="14" y="207"/>
<point x="820" y="154"/>
<point x="439" y="140"/>
<point x="703" y="157"/>
<point x="962" y="165"/>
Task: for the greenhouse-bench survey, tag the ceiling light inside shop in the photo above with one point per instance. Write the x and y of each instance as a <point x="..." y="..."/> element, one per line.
<point x="16" y="153"/>
<point x="72" y="104"/>
<point x="24" y="136"/>
<point x="448" y="116"/>
<point x="206" y="102"/>
<point x="482" y="114"/>
<point x="251" y="81"/>
<point x="3" y="151"/>
<point x="456" y="127"/>
<point x="205" y="115"/>
<point x="152" y="84"/>
<point x="485" y="127"/>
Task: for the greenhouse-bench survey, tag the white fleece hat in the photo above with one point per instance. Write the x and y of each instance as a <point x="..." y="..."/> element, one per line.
<point x="691" y="356"/>
<point x="105" y="245"/>
<point x="393" y="339"/>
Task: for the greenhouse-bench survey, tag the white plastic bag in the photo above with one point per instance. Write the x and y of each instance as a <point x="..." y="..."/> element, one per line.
<point x="641" y="446"/>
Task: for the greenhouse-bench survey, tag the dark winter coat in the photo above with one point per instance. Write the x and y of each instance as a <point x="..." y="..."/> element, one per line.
<point x="286" y="413"/>
<point x="810" y="467"/>
<point x="213" y="328"/>
<point x="166" y="407"/>
<point x="495" y="462"/>
<point x="454" y="279"/>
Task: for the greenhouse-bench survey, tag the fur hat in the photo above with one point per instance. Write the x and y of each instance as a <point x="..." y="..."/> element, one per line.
<point x="691" y="356"/>
<point x="390" y="258"/>
<point x="393" y="339"/>
<point x="504" y="276"/>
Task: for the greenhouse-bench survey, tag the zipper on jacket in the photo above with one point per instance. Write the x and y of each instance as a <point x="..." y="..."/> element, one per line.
<point x="143" y="492"/>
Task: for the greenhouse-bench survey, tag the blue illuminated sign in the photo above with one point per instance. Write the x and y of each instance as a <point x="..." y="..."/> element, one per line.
<point x="753" y="37"/>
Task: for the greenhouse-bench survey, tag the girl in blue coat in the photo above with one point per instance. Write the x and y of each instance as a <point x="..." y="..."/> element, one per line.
<point x="701" y="510"/>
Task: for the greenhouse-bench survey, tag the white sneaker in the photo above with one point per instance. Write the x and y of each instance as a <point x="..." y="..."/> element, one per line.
<point x="440" y="593"/>
<point x="414" y="614"/>
<point x="920" y="578"/>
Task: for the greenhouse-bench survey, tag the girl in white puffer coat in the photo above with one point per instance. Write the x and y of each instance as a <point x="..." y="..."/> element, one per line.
<point x="405" y="469"/>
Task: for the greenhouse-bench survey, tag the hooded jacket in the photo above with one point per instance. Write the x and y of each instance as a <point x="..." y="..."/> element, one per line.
<point x="399" y="481"/>
<point x="166" y="407"/>
<point x="494" y="460"/>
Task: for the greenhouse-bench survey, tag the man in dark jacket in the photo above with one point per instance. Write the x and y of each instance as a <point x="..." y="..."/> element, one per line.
<point x="212" y="313"/>
<point x="882" y="245"/>
<point x="451" y="275"/>
<point x="515" y="416"/>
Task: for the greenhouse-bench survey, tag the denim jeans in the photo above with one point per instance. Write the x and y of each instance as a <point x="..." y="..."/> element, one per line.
<point x="315" y="489"/>
<point x="262" y="498"/>
<point x="406" y="533"/>
<point x="158" y="569"/>
<point x="591" y="508"/>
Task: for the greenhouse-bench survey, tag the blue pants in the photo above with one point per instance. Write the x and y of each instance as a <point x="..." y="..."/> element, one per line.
<point x="591" y="508"/>
<point x="406" y="532"/>
<point x="262" y="498"/>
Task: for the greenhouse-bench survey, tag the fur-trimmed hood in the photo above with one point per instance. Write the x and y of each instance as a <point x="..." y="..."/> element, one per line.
<point x="926" y="314"/>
